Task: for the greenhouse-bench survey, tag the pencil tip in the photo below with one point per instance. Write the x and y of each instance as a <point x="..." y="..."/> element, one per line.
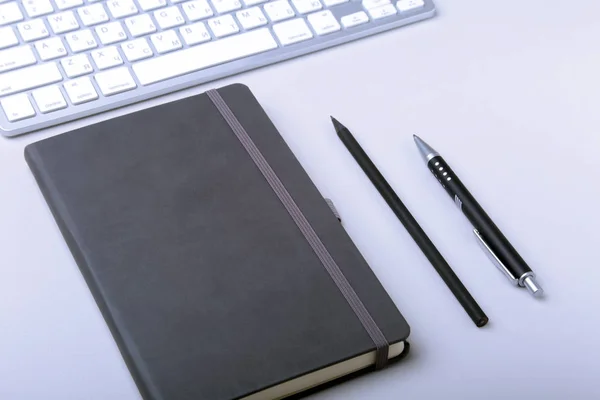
<point x="337" y="124"/>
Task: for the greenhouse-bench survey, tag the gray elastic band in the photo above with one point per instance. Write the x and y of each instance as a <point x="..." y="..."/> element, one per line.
<point x="330" y="265"/>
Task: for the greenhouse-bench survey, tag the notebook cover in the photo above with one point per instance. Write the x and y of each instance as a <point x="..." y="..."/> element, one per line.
<point x="209" y="288"/>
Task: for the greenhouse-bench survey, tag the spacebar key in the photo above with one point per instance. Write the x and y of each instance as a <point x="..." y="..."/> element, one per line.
<point x="204" y="56"/>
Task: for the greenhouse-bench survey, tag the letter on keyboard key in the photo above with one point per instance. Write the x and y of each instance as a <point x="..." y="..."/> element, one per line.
<point x="49" y="99"/>
<point x="383" y="11"/>
<point x="223" y="6"/>
<point x="29" y="78"/>
<point x="291" y="32"/>
<point x="77" y="65"/>
<point x="111" y="33"/>
<point x="194" y="33"/>
<point x="33" y="30"/>
<point x="166" y="41"/>
<point x="407" y="5"/>
<point x="63" y="22"/>
<point x="223" y="25"/>
<point x="81" y="40"/>
<point x="306" y="6"/>
<point x="279" y="10"/>
<point x="197" y="9"/>
<point x="251" y="18"/>
<point x="122" y="8"/>
<point x="140" y="25"/>
<point x="81" y="90"/>
<point x="9" y="13"/>
<point x="35" y="8"/>
<point x="7" y="38"/>
<point x="92" y="15"/>
<point x="64" y="4"/>
<point x="203" y="56"/>
<point x="115" y="81"/>
<point x="107" y="57"/>
<point x="16" y="58"/>
<point x="355" y="19"/>
<point x="17" y="107"/>
<point x="324" y="22"/>
<point x="49" y="49"/>
<point x="169" y="17"/>
<point x="148" y="5"/>
<point x="138" y="49"/>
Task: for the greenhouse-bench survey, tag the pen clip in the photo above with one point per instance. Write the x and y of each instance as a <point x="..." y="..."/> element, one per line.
<point x="495" y="260"/>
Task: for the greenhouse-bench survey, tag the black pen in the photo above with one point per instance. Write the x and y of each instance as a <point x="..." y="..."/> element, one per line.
<point x="498" y="248"/>
<point x="427" y="247"/>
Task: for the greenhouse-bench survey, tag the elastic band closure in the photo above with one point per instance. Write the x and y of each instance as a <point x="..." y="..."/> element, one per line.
<point x="311" y="236"/>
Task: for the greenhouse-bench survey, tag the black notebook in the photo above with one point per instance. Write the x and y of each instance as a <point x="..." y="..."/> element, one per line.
<point x="216" y="283"/>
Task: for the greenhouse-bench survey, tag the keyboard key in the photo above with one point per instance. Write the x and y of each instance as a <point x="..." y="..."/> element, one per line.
<point x="77" y="65"/>
<point x="306" y="6"/>
<point x="358" y="18"/>
<point x="29" y="78"/>
<point x="81" y="41"/>
<point x="204" y="56"/>
<point x="80" y="90"/>
<point x="140" y="25"/>
<point x="223" y="6"/>
<point x="63" y="22"/>
<point x="65" y="4"/>
<point x="49" y="99"/>
<point x="33" y="30"/>
<point x="9" y="13"/>
<point x="223" y="26"/>
<point x="369" y="4"/>
<point x="292" y="31"/>
<point x="196" y="10"/>
<point x="194" y="33"/>
<point x="16" y="58"/>
<point x="122" y="8"/>
<point x="36" y="8"/>
<point x="251" y="18"/>
<point x="148" y="5"/>
<point x="169" y="17"/>
<point x="7" y="37"/>
<point x="383" y="11"/>
<point x="407" y="5"/>
<point x="49" y="49"/>
<point x="115" y="81"/>
<point x="330" y="3"/>
<point x="107" y="57"/>
<point x="17" y="107"/>
<point x="324" y="22"/>
<point x="111" y="33"/>
<point x="137" y="49"/>
<point x="92" y="15"/>
<point x="166" y="41"/>
<point x="249" y="3"/>
<point x="279" y="10"/>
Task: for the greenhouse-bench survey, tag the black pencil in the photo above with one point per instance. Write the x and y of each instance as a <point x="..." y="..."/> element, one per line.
<point x="425" y="244"/>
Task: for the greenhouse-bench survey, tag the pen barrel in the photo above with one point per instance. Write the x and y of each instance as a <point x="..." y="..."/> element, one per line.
<point x="489" y="232"/>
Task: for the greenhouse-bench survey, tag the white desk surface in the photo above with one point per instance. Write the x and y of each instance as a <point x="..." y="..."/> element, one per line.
<point x="508" y="91"/>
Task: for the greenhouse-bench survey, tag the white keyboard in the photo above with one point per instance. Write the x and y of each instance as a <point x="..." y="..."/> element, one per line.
<point x="67" y="59"/>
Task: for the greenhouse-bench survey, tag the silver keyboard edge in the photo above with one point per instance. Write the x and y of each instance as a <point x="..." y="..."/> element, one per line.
<point x="214" y="73"/>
